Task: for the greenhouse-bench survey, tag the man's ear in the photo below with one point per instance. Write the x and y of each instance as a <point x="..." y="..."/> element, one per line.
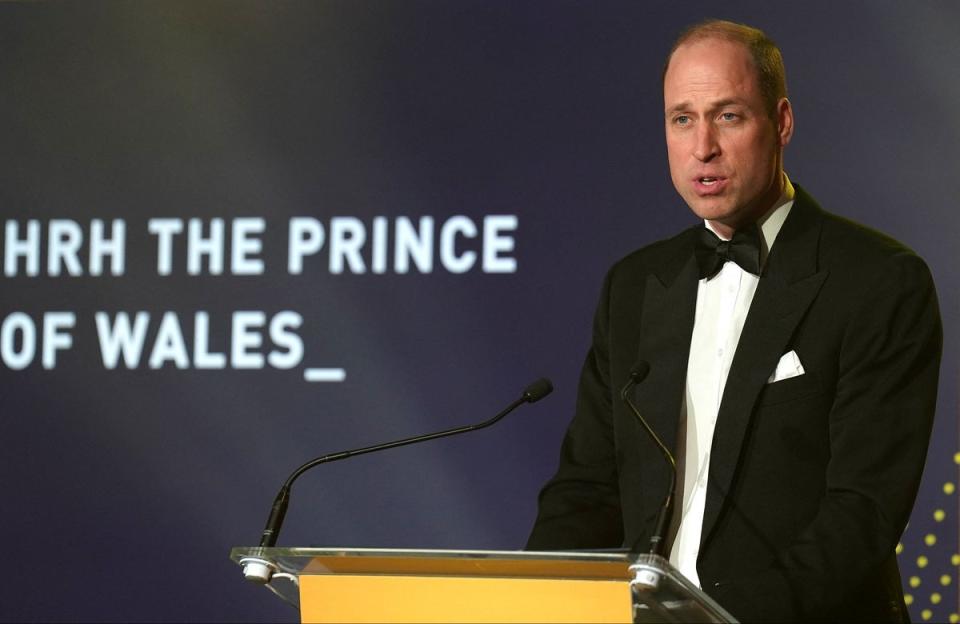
<point x="784" y="121"/>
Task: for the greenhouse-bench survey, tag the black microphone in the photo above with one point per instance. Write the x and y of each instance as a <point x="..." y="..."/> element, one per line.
<point x="531" y="394"/>
<point x="638" y="373"/>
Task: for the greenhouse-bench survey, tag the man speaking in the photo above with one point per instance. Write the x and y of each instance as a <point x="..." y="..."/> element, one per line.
<point x="793" y="362"/>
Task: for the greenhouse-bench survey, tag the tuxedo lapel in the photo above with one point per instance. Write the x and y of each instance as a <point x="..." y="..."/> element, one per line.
<point x="789" y="284"/>
<point x="668" y="308"/>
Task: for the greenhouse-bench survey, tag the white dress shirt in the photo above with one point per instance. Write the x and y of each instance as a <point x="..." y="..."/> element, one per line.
<point x="722" y="305"/>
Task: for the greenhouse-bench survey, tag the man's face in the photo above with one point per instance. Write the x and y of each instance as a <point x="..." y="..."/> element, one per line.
<point x="724" y="149"/>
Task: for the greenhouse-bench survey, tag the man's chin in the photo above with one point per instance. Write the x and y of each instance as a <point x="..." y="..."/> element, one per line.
<point x="710" y="209"/>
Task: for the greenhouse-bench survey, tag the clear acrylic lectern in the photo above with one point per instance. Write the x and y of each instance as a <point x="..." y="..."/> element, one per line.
<point x="370" y="585"/>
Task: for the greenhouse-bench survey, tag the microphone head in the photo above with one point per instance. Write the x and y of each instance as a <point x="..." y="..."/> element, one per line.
<point x="537" y="390"/>
<point x="639" y="371"/>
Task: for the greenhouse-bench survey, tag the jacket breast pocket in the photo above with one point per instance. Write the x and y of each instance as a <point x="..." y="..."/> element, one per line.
<point x="791" y="389"/>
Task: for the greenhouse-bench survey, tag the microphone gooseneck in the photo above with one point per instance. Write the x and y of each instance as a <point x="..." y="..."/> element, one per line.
<point x="531" y="394"/>
<point x="638" y="373"/>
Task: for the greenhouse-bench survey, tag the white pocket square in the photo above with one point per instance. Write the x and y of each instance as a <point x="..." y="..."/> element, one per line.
<point x="789" y="366"/>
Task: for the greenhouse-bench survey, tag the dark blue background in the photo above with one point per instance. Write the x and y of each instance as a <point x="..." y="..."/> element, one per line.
<point x="124" y="490"/>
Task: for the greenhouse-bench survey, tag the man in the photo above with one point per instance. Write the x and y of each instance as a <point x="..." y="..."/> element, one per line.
<point x="796" y="391"/>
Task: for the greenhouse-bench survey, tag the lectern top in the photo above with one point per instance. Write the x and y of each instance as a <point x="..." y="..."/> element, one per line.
<point x="573" y="565"/>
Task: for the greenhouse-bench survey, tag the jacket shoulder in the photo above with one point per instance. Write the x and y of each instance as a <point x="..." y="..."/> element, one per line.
<point x="841" y="237"/>
<point x="844" y="238"/>
<point x="664" y="258"/>
<point x="867" y="267"/>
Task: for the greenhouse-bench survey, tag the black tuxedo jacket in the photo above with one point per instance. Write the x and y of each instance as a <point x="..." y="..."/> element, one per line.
<point x="812" y="478"/>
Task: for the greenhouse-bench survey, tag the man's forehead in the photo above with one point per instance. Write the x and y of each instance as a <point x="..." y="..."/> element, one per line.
<point x="713" y="51"/>
<point x="709" y="65"/>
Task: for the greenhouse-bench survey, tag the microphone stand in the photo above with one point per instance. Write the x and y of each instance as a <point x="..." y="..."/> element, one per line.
<point x="260" y="570"/>
<point x="637" y="374"/>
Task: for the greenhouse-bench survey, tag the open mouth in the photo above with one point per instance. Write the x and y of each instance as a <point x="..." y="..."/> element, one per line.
<point x="709" y="185"/>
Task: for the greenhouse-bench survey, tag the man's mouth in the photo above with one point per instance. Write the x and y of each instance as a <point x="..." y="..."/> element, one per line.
<point x="709" y="185"/>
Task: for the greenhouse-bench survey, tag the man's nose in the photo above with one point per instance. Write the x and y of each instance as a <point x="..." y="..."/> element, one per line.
<point x="706" y="148"/>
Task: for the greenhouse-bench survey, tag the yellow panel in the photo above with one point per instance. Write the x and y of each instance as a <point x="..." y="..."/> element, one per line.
<point x="352" y="598"/>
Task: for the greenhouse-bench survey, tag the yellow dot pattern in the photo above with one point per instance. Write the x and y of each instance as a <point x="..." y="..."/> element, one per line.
<point x="927" y="553"/>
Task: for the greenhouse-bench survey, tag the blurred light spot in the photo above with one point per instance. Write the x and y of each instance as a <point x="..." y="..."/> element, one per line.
<point x="926" y="614"/>
<point x="955" y="560"/>
<point x="935" y="598"/>
<point x="899" y="548"/>
<point x="949" y="488"/>
<point x="921" y="561"/>
<point x="939" y="515"/>
<point x="930" y="539"/>
<point x="914" y="581"/>
<point x="908" y="599"/>
<point x="945" y="580"/>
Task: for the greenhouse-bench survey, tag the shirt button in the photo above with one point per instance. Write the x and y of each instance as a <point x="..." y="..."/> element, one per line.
<point x="719" y="352"/>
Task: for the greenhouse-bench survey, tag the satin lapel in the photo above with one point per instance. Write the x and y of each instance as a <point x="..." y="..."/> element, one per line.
<point x="788" y="286"/>
<point x="669" y="304"/>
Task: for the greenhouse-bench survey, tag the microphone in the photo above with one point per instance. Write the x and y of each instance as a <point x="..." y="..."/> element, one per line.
<point x="638" y="373"/>
<point x="257" y="570"/>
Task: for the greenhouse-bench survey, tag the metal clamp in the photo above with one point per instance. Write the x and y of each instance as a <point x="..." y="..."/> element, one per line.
<point x="257" y="570"/>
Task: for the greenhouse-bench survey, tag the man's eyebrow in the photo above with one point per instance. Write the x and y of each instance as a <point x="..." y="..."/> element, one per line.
<point x="685" y="105"/>
<point x="728" y="102"/>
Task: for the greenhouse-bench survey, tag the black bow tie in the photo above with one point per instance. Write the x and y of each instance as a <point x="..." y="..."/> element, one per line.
<point x="744" y="249"/>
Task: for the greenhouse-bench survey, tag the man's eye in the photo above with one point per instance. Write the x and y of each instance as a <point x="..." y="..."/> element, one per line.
<point x="728" y="116"/>
<point x="681" y="120"/>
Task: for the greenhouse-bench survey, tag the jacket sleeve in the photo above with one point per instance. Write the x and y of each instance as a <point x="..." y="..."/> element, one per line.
<point x="580" y="506"/>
